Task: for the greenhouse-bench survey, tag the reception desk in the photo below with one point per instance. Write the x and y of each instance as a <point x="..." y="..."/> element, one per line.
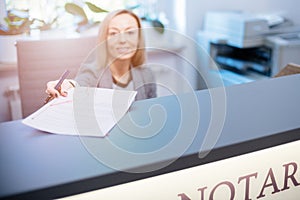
<point x="251" y="117"/>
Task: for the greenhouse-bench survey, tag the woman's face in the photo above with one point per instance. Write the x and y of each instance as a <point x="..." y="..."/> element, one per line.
<point x="122" y="37"/>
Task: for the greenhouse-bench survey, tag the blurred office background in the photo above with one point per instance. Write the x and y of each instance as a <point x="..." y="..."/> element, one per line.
<point x="184" y="20"/>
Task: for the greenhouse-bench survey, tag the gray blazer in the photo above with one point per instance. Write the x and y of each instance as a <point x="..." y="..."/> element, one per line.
<point x="142" y="77"/>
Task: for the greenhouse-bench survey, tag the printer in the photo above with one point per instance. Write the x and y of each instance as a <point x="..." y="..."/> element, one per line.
<point x="245" y="41"/>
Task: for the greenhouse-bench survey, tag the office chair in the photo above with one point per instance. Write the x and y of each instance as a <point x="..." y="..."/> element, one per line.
<point x="40" y="61"/>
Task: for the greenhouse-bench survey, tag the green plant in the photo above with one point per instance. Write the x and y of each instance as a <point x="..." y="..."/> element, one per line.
<point x="155" y="22"/>
<point x="79" y="12"/>
<point x="84" y="22"/>
<point x="18" y="22"/>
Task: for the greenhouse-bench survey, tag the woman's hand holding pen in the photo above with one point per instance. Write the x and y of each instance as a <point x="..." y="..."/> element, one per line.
<point x="62" y="91"/>
<point x="58" y="87"/>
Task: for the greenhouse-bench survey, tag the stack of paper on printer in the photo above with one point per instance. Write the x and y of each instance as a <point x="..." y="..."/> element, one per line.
<point x="85" y="112"/>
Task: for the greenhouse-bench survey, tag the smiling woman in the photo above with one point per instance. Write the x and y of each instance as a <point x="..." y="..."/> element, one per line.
<point x="117" y="61"/>
<point x="122" y="38"/>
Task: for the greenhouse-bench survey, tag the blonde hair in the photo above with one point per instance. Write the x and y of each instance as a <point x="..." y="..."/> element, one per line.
<point x="140" y="56"/>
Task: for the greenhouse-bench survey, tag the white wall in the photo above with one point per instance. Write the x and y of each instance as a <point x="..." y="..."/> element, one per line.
<point x="2" y="12"/>
<point x="195" y="10"/>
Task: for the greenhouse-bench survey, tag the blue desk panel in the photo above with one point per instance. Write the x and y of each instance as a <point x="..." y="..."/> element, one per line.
<point x="258" y="115"/>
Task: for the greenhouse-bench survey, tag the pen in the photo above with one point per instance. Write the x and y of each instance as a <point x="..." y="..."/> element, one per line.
<point x="58" y="85"/>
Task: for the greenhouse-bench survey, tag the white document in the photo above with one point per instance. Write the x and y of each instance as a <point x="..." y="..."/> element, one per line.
<point x="84" y="112"/>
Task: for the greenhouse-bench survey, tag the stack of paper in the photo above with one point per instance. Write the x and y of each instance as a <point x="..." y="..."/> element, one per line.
<point x="85" y="112"/>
